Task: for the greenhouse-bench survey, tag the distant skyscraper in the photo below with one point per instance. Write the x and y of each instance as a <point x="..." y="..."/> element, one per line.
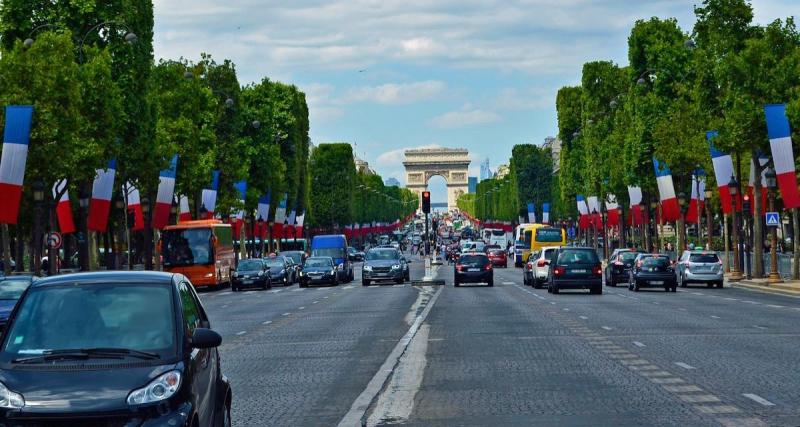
<point x="486" y="171"/>
<point x="472" y="183"/>
<point x="391" y="182"/>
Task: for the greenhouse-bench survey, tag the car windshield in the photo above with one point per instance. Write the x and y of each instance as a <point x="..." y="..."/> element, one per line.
<point x="86" y="316"/>
<point x="575" y="256"/>
<point x="331" y="252"/>
<point x="318" y="262"/>
<point x="249" y="265"/>
<point x="704" y="258"/>
<point x="297" y="257"/>
<point x="274" y="262"/>
<point x="628" y="256"/>
<point x="376" y="255"/>
<point x="12" y="289"/>
<point x="186" y="247"/>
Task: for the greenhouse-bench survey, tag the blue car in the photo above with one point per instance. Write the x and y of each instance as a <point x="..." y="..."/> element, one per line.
<point x="334" y="246"/>
<point x="11" y="289"/>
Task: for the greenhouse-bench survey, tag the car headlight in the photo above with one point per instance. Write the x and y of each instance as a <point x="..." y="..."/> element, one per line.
<point x="209" y="275"/>
<point x="260" y="273"/>
<point x="9" y="399"/>
<point x="159" y="389"/>
<point x="367" y="268"/>
<point x="302" y="273"/>
<point x="396" y="267"/>
<point x="333" y="272"/>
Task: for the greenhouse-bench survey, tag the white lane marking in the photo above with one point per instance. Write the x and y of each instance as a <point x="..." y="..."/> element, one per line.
<point x="241" y="332"/>
<point x="348" y="287"/>
<point x="774" y="306"/>
<point x="553" y="303"/>
<point x="315" y="302"/>
<point x="276" y="291"/>
<point x="638" y="344"/>
<point x="681" y="309"/>
<point x="758" y="399"/>
<point x="697" y="293"/>
<point x="508" y="283"/>
<point x="750" y="302"/>
<point x="759" y="327"/>
<point x="732" y="299"/>
<point x="685" y="365"/>
<point x="715" y="317"/>
<point x="266" y="322"/>
<point x="606" y="328"/>
<point x="566" y="309"/>
<point x="584" y="317"/>
<point x="301" y="308"/>
<point x="285" y="314"/>
<point x="324" y="297"/>
<point x="397" y="286"/>
<point x="298" y="289"/>
<point x="656" y="303"/>
<point x="225" y="306"/>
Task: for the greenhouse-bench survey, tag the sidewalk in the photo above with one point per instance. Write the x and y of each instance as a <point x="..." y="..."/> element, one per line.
<point x="787" y="287"/>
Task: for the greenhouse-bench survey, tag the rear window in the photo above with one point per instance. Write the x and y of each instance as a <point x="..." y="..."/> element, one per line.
<point x="548" y="235"/>
<point x="628" y="256"/>
<point x="474" y="259"/>
<point x="656" y="261"/>
<point x="548" y="253"/>
<point x="496" y="252"/>
<point x="575" y="256"/>
<point x="709" y="258"/>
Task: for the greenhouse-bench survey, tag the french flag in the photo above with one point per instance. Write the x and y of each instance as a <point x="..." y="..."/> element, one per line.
<point x="583" y="209"/>
<point x="263" y="206"/>
<point x="613" y="211"/>
<point x="185" y="214"/>
<point x="166" y="193"/>
<point x="780" y="141"/>
<point x="594" y="211"/>
<point x="298" y="229"/>
<point x="241" y="190"/>
<point x="670" y="210"/>
<point x="698" y="195"/>
<point x="280" y="217"/>
<point x="635" y="196"/>
<point x="751" y="186"/>
<point x="63" y="207"/>
<point x="290" y="223"/>
<point x="102" y="190"/>
<point x="12" y="164"/>
<point x="723" y="171"/>
<point x="531" y="213"/>
<point x="545" y="213"/>
<point x="209" y="195"/>
<point x="135" y="207"/>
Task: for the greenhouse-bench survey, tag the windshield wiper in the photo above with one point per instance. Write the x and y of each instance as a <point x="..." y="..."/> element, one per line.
<point x="87" y="353"/>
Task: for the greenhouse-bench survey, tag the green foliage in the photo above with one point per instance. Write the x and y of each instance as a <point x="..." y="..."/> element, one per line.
<point x="333" y="180"/>
<point x="532" y="171"/>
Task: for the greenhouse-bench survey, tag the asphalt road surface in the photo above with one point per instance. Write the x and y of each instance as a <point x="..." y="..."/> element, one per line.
<point x="508" y="355"/>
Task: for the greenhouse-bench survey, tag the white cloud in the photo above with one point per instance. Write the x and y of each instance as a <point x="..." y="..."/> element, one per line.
<point x="516" y="99"/>
<point x="396" y="157"/>
<point x="395" y="93"/>
<point x="466" y="116"/>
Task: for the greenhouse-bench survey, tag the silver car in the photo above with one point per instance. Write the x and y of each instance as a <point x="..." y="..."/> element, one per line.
<point x="700" y="267"/>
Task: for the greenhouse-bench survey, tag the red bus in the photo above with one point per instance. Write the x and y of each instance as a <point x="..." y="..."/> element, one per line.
<point x="200" y="250"/>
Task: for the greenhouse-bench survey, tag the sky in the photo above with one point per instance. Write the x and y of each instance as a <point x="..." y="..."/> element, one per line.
<point x="388" y="75"/>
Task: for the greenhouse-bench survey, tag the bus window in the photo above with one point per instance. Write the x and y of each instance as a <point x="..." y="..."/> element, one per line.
<point x="184" y="247"/>
<point x="225" y="235"/>
<point x="549" y="235"/>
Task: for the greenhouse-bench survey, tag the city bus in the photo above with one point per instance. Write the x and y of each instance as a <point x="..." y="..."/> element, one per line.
<point x="537" y="236"/>
<point x="200" y="250"/>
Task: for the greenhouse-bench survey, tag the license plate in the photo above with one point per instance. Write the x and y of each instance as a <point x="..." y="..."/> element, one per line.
<point x="474" y="269"/>
<point x="656" y="282"/>
<point x="578" y="271"/>
<point x="248" y="282"/>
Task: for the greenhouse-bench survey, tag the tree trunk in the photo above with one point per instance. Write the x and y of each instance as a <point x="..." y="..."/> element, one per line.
<point x="52" y="253"/>
<point x="795" y="245"/>
<point x="758" y="223"/>
<point x="6" y="250"/>
<point x="20" y="251"/>
<point x="726" y="239"/>
<point x="680" y="226"/>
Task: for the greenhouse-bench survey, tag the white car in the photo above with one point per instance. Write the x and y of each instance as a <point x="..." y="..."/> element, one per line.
<point x="535" y="272"/>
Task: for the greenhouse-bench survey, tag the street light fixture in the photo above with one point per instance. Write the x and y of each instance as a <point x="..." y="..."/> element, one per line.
<point x="771" y="179"/>
<point x="130" y="37"/>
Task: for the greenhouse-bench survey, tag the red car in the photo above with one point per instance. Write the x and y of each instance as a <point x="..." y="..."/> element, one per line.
<point x="498" y="257"/>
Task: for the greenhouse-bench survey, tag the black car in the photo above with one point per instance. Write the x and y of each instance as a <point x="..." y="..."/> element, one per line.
<point x="619" y="266"/>
<point x="11" y="289"/>
<point x="652" y="271"/>
<point x="251" y="273"/>
<point x="575" y="268"/>
<point x="112" y="349"/>
<point x="281" y="270"/>
<point x="319" y="270"/>
<point x="297" y="257"/>
<point x="354" y="254"/>
<point x="384" y="264"/>
<point x="473" y="267"/>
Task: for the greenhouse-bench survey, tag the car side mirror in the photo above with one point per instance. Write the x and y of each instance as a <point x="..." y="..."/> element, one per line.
<point x="205" y="338"/>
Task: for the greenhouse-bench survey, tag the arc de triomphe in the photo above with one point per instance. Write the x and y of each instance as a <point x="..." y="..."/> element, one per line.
<point x="452" y="164"/>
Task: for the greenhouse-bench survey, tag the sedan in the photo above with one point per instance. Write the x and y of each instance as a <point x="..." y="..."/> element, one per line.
<point x="473" y="268"/>
<point x="498" y="257"/>
<point x="112" y="348"/>
<point x="575" y="268"/>
<point x="652" y="271"/>
<point x="281" y="270"/>
<point x="11" y="289"/>
<point x="318" y="271"/>
<point x="251" y="273"/>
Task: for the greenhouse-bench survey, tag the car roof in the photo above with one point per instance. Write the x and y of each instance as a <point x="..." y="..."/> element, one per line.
<point x="474" y="253"/>
<point x="117" y="277"/>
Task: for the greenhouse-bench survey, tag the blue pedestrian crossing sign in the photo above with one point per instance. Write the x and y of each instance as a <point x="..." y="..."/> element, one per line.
<point x="571" y="232"/>
<point x="773" y="219"/>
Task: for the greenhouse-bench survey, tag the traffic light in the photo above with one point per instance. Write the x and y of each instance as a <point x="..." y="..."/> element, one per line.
<point x="426" y="202"/>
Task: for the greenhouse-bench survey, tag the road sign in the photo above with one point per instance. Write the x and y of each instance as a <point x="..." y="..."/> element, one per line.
<point x="773" y="219"/>
<point x="54" y="240"/>
<point x="571" y="232"/>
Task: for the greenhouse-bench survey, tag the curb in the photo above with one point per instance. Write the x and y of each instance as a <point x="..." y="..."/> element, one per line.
<point x="765" y="289"/>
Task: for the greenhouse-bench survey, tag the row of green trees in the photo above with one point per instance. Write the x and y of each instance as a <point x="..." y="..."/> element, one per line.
<point x="676" y="86"/>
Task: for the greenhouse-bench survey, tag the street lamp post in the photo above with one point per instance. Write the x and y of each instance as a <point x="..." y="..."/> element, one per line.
<point x="772" y="184"/>
<point x="594" y="229"/>
<point x="682" y="235"/>
<point x="38" y="200"/>
<point x="733" y="189"/>
<point x="83" y="243"/>
<point x="653" y="226"/>
<point x="148" y="234"/>
<point x="606" y="234"/>
<point x="120" y="204"/>
<point x="709" y="224"/>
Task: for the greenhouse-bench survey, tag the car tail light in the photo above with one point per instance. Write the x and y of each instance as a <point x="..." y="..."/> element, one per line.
<point x="618" y="263"/>
<point x="598" y="270"/>
<point x="530" y="266"/>
<point x="459" y="267"/>
<point x="558" y="271"/>
<point x="488" y="267"/>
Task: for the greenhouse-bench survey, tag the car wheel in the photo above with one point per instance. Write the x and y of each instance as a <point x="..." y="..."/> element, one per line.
<point x="630" y="286"/>
<point x="683" y="281"/>
<point x="365" y="283"/>
<point x="597" y="290"/>
<point x="226" y="417"/>
<point x="674" y="289"/>
<point x="667" y="288"/>
<point x="636" y="287"/>
<point x="720" y="284"/>
<point x="491" y="283"/>
<point x="456" y="283"/>
<point x="555" y="289"/>
<point x="524" y="280"/>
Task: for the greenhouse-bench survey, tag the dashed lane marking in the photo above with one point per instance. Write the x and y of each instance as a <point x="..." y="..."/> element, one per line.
<point x="774" y="306"/>
<point x="285" y="314"/>
<point x="266" y="322"/>
<point x="608" y="328"/>
<point x="508" y="283"/>
<point x="750" y="302"/>
<point x="638" y="344"/>
<point x="682" y="388"/>
<point x="759" y="327"/>
<point x="699" y="398"/>
<point x="276" y="291"/>
<point x="584" y="317"/>
<point x="758" y="399"/>
<point x="717" y="409"/>
<point x="241" y="332"/>
<point x="301" y="308"/>
<point x="685" y="365"/>
<point x="315" y="302"/>
<point x="715" y="317"/>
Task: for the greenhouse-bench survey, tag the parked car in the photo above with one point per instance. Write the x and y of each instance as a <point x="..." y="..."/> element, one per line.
<point x="473" y="267"/>
<point x="652" y="271"/>
<point x="575" y="268"/>
<point x="11" y="289"/>
<point x="334" y="246"/>
<point x="118" y="348"/>
<point x="251" y="273"/>
<point x="281" y="270"/>
<point x="498" y="258"/>
<point x="537" y="270"/>
<point x="318" y="271"/>
<point x="297" y="257"/>
<point x="384" y="264"/>
<point x="700" y="267"/>
<point x="354" y="254"/>
<point x="619" y="266"/>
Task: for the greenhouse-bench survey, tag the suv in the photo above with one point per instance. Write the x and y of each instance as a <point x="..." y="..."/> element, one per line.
<point x="537" y="269"/>
<point x="619" y="266"/>
<point x="384" y="264"/>
<point x="575" y="268"/>
<point x="700" y="267"/>
<point x="112" y="348"/>
<point x="473" y="267"/>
